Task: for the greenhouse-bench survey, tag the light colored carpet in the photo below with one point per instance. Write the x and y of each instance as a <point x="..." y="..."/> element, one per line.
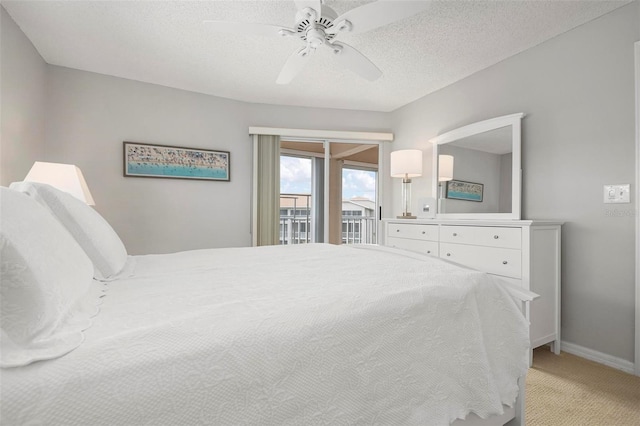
<point x="565" y="390"/>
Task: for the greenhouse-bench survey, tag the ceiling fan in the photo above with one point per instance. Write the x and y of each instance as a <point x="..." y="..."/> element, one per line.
<point x="317" y="25"/>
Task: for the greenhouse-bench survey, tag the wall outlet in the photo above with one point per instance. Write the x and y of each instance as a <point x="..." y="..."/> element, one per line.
<point x="616" y="194"/>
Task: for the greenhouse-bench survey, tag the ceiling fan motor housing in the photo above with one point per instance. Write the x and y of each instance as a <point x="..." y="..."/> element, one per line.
<point x="307" y="31"/>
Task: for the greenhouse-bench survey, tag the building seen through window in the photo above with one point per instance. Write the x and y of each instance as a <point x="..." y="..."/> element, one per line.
<point x="297" y="204"/>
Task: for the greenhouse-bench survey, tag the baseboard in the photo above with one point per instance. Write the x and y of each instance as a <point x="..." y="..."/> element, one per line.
<point x="599" y="357"/>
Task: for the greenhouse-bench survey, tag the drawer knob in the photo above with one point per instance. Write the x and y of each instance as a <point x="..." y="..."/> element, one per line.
<point x="424" y="232"/>
<point x="455" y="234"/>
<point x="428" y="251"/>
<point x="504" y="262"/>
<point x="397" y="230"/>
<point x="496" y="237"/>
<point x="448" y="254"/>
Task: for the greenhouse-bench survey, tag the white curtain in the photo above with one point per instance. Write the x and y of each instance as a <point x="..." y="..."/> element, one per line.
<point x="266" y="182"/>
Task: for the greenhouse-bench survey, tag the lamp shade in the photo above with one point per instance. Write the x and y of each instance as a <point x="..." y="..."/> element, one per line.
<point x="65" y="177"/>
<point x="445" y="168"/>
<point x="406" y="163"/>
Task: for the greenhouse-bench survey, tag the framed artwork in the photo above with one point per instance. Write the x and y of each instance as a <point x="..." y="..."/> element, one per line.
<point x="163" y="161"/>
<point x="461" y="190"/>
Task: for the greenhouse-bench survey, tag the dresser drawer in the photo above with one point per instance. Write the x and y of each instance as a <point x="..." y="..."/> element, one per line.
<point x="490" y="236"/>
<point x="413" y="231"/>
<point x="498" y="261"/>
<point x="420" y="246"/>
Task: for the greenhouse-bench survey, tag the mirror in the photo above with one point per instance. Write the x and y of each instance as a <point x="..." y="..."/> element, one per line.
<point x="485" y="180"/>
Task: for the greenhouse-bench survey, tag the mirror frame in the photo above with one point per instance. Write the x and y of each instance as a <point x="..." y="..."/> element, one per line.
<point x="513" y="120"/>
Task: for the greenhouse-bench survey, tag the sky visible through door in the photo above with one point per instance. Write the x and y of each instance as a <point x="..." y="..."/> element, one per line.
<point x="295" y="178"/>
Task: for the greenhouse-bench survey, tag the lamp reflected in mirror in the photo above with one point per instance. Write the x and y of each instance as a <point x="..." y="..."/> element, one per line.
<point x="445" y="173"/>
<point x="445" y="168"/>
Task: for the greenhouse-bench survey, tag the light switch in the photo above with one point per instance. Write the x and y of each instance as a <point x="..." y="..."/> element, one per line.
<point x="617" y="193"/>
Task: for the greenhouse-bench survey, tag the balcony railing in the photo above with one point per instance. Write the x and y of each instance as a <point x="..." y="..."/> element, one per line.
<point x="358" y="230"/>
<point x="296" y="227"/>
<point x="355" y="230"/>
<point x="295" y="230"/>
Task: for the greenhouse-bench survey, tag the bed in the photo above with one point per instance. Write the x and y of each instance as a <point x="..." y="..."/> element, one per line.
<point x="278" y="335"/>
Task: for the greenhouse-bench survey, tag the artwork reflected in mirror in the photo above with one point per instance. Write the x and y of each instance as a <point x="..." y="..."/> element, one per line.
<point x="467" y="191"/>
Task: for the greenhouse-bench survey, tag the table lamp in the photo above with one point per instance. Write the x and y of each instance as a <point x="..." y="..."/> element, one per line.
<point x="65" y="177"/>
<point x="405" y="164"/>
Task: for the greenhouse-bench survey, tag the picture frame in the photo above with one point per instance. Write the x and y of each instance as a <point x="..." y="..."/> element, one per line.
<point x="466" y="191"/>
<point x="175" y="162"/>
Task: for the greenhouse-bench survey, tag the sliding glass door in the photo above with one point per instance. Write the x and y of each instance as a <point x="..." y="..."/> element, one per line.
<point x="328" y="192"/>
<point x="319" y="211"/>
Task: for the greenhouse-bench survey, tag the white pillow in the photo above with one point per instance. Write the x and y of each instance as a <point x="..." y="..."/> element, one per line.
<point x="46" y="287"/>
<point x="90" y="230"/>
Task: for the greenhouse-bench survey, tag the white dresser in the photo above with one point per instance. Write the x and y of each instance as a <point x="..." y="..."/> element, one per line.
<point x="523" y="252"/>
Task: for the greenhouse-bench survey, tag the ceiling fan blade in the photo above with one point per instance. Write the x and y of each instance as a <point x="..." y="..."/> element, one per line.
<point x="249" y="28"/>
<point x="313" y="4"/>
<point x="294" y="65"/>
<point x="351" y="59"/>
<point x="377" y="14"/>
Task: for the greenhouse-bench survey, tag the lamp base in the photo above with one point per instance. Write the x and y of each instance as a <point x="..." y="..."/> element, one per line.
<point x="406" y="216"/>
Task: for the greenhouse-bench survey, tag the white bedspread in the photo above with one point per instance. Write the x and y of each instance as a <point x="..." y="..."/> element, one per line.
<point x="285" y="335"/>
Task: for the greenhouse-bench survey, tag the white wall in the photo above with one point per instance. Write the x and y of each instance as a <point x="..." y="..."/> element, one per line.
<point x="577" y="92"/>
<point x="90" y="115"/>
<point x="22" y="94"/>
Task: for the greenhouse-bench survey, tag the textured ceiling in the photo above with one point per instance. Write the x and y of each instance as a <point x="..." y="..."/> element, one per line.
<point x="167" y="43"/>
